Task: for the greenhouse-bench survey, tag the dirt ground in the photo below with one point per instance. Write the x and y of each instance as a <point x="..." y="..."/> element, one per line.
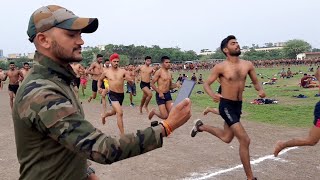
<point x="183" y="157"/>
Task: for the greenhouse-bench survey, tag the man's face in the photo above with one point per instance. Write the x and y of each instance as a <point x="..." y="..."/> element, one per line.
<point x="66" y="45"/>
<point x="107" y="63"/>
<point x="130" y="67"/>
<point x="99" y="59"/>
<point x="115" y="63"/>
<point x="12" y="66"/>
<point x="26" y="66"/>
<point x="166" y="64"/>
<point x="233" y="48"/>
<point x="148" y="62"/>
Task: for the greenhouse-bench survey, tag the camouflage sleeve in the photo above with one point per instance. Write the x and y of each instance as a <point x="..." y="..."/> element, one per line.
<point x="52" y="114"/>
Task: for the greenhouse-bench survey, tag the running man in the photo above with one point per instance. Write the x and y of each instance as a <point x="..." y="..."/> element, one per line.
<point x="145" y="72"/>
<point x="163" y="78"/>
<point x="232" y="74"/>
<point x="77" y="69"/>
<point x="95" y="70"/>
<point x="314" y="133"/>
<point x="2" y="75"/>
<point x="83" y="80"/>
<point x="25" y="70"/>
<point x="116" y="77"/>
<point x="14" y="77"/>
<point x="131" y="85"/>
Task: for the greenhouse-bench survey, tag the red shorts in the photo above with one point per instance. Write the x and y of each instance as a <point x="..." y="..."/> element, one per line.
<point x="83" y="81"/>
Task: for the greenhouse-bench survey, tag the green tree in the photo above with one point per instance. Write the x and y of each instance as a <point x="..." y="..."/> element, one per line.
<point x="218" y="54"/>
<point x="315" y="50"/>
<point x="124" y="60"/>
<point x="296" y="46"/>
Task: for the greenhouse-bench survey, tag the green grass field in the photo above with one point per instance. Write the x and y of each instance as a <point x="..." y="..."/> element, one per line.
<point x="289" y="111"/>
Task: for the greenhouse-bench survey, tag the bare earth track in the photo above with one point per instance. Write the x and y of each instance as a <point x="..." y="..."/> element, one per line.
<point x="183" y="157"/>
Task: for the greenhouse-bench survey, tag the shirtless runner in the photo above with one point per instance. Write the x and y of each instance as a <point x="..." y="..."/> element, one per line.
<point x="14" y="77"/>
<point x="232" y="74"/>
<point x="116" y="77"/>
<point x="78" y="69"/>
<point x="145" y="72"/>
<point x="163" y="78"/>
<point x="95" y="70"/>
<point x="25" y="70"/>
<point x="131" y="85"/>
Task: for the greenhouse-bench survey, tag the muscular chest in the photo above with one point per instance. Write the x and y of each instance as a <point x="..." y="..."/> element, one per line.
<point x="235" y="74"/>
<point x="115" y="76"/>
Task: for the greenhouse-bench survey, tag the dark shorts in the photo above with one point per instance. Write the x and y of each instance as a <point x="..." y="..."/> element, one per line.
<point x="219" y="89"/>
<point x="316" y="121"/>
<point x="144" y="84"/>
<point x="167" y="97"/>
<point x="114" y="96"/>
<point x="230" y="111"/>
<point x="95" y="85"/>
<point x="76" y="82"/>
<point x="13" y="88"/>
<point x="131" y="88"/>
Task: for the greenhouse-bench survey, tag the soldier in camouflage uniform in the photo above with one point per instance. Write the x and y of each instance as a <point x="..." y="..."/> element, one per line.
<point x="53" y="139"/>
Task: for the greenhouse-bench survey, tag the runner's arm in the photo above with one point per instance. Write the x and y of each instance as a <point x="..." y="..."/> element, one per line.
<point x="253" y="76"/>
<point x="211" y="79"/>
<point x="90" y="70"/>
<point x="155" y="79"/>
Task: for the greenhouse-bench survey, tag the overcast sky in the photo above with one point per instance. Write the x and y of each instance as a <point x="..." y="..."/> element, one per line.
<point x="188" y="24"/>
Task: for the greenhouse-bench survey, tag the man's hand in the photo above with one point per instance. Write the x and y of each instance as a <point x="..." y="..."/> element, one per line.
<point x="161" y="95"/>
<point x="216" y="97"/>
<point x="178" y="85"/>
<point x="100" y="90"/>
<point x="262" y="94"/>
<point x="179" y="114"/>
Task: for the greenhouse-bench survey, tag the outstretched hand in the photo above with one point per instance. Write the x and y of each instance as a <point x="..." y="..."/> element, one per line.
<point x="179" y="114"/>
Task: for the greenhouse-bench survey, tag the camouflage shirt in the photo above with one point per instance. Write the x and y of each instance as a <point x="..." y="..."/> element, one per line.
<point x="53" y="138"/>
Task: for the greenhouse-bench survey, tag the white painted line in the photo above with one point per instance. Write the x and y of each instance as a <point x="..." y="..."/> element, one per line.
<point x="254" y="162"/>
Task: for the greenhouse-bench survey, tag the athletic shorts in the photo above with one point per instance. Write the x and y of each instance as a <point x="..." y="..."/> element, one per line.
<point x="144" y="84"/>
<point x="13" y="88"/>
<point x="83" y="81"/>
<point x="131" y="88"/>
<point x="77" y="82"/>
<point x="230" y="111"/>
<point x="316" y="121"/>
<point x="95" y="85"/>
<point x="114" y="96"/>
<point x="219" y="89"/>
<point x="167" y="97"/>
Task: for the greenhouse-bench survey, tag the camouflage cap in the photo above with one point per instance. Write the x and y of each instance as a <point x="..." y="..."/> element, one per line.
<point x="51" y="16"/>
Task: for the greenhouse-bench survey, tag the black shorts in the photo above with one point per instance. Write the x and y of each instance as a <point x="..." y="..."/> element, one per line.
<point x="95" y="85"/>
<point x="13" y="88"/>
<point x="230" y="111"/>
<point x="219" y="89"/>
<point x="114" y="96"/>
<point x="167" y="97"/>
<point x="144" y="84"/>
<point x="316" y="121"/>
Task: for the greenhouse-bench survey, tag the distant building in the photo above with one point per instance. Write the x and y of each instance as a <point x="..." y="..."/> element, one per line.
<point x="269" y="48"/>
<point x="101" y="47"/>
<point x="87" y="48"/>
<point x="1" y="53"/>
<point x="308" y="55"/>
<point x="30" y="55"/>
<point x="15" y="55"/>
<point x="205" y="52"/>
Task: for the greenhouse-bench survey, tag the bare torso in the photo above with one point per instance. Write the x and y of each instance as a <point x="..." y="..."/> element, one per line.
<point x="132" y="76"/>
<point x="14" y="76"/>
<point x="115" y="78"/>
<point x="232" y="78"/>
<point x="97" y="70"/>
<point x="164" y="80"/>
<point x="77" y="69"/>
<point x="145" y="73"/>
<point x="25" y="72"/>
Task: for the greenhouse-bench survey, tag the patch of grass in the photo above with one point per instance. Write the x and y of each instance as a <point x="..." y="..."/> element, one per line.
<point x="290" y="111"/>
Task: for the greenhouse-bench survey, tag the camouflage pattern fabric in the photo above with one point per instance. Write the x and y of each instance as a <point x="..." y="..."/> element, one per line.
<point x="53" y="138"/>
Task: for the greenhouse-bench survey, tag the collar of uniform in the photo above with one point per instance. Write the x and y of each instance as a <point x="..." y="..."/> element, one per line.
<point x="53" y="68"/>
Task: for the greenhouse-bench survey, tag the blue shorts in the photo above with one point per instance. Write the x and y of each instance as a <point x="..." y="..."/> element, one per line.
<point x="131" y="88"/>
<point x="316" y="121"/>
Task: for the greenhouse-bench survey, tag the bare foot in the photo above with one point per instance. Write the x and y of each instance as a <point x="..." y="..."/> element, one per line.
<point x="103" y="119"/>
<point x="206" y="111"/>
<point x="140" y="108"/>
<point x="146" y="108"/>
<point x="89" y="100"/>
<point x="151" y="114"/>
<point x="279" y="146"/>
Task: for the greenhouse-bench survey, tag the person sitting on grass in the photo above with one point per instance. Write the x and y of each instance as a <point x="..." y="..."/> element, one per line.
<point x="307" y="82"/>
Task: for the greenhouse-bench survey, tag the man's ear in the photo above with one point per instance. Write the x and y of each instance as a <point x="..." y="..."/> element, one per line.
<point x="43" y="40"/>
<point x="225" y="50"/>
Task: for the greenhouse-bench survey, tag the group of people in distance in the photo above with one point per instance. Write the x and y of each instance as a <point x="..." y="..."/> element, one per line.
<point x="55" y="141"/>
